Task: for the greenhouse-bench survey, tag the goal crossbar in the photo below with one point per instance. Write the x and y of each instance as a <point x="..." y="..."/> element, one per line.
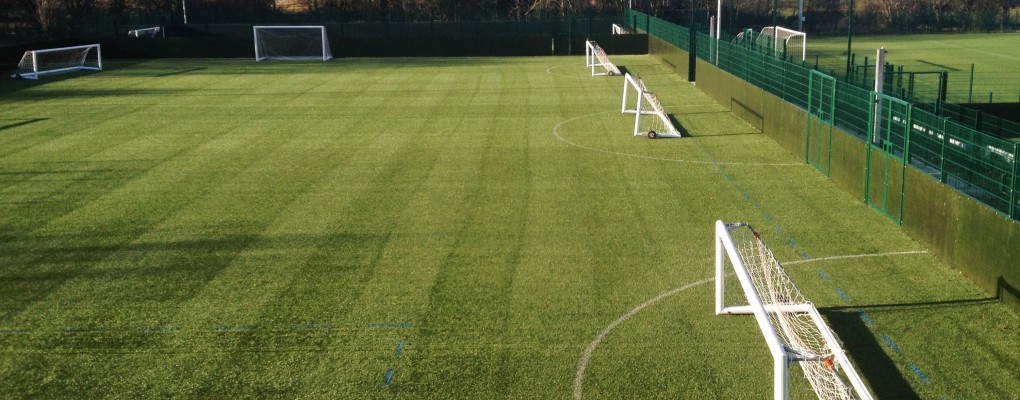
<point x="36" y="63"/>
<point x="645" y="104"/>
<point x="793" y="329"/>
<point x="595" y="57"/>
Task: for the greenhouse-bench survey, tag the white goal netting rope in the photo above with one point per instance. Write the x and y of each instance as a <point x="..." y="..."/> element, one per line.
<point x="798" y="331"/>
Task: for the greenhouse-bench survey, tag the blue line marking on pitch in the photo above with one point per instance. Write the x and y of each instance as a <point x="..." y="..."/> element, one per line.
<point x="400" y="348"/>
<point x="15" y="330"/>
<point x="805" y="256"/>
<point x="237" y="328"/>
<point x="917" y="371"/>
<point x="391" y="325"/>
<point x="83" y="330"/>
<point x="843" y="294"/>
<point x="159" y="329"/>
<point x="746" y="196"/>
<point x="778" y="229"/>
<point x="792" y="243"/>
<point x="768" y="217"/>
<point x="389" y="377"/>
<point x="322" y="326"/>
<point x="892" y="345"/>
<point x="866" y="318"/>
<point x="756" y="206"/>
<point x="825" y="277"/>
<point x="736" y="185"/>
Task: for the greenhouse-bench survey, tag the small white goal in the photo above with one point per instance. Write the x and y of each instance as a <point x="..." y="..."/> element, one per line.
<point x="793" y="329"/>
<point x="36" y="63"/>
<point x="650" y="117"/>
<point x="595" y="58"/>
<point x="304" y="42"/>
<point x="150" y="32"/>
<point x="783" y="41"/>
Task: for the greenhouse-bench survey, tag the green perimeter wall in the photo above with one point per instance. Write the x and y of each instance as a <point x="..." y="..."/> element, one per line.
<point x="978" y="241"/>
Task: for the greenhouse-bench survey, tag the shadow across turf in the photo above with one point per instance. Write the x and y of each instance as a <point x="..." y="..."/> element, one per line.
<point x="871" y="360"/>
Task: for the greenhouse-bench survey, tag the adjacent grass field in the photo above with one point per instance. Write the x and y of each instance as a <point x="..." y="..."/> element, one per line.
<point x="433" y="228"/>
<point x="994" y="57"/>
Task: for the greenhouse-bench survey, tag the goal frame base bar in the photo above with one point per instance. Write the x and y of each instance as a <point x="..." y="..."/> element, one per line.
<point x="726" y="249"/>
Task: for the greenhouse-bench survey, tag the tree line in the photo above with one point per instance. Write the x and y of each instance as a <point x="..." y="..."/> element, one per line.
<point x="821" y="16"/>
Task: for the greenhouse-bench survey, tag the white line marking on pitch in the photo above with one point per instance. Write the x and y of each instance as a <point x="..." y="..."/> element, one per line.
<point x="582" y="365"/>
<point x="556" y="132"/>
<point x="897" y="253"/>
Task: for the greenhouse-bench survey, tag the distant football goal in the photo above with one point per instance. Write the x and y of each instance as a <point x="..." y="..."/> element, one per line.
<point x="775" y="40"/>
<point x="291" y="43"/>
<point x="793" y="329"/>
<point x="150" y="32"/>
<point x="596" y="59"/>
<point x="36" y="63"/>
<point x="650" y="118"/>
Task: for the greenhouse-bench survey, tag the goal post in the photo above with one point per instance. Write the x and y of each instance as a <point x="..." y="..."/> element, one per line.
<point x="36" y="63"/>
<point x="150" y="32"/>
<point x="291" y="42"/>
<point x="650" y="117"/>
<point x="783" y="41"/>
<point x="595" y="58"/>
<point x="794" y="330"/>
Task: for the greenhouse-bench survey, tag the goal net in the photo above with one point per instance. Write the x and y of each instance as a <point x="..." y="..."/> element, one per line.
<point x="291" y="43"/>
<point x="793" y="329"/>
<point x="151" y="32"/>
<point x="783" y="42"/>
<point x="36" y="63"/>
<point x="650" y="118"/>
<point x="596" y="58"/>
<point x="621" y="30"/>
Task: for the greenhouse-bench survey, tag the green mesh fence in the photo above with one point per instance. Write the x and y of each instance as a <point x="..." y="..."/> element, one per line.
<point x="946" y="141"/>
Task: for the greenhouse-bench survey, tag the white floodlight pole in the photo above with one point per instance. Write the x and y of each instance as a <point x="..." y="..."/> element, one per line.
<point x="879" y="80"/>
<point x="184" y="8"/>
<point x="718" y="19"/>
<point x="800" y="16"/>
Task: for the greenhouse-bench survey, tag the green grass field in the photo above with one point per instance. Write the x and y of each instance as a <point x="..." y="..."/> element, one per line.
<point x="994" y="57"/>
<point x="461" y="228"/>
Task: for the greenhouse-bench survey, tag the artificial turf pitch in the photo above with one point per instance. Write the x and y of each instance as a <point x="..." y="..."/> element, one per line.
<point x="433" y="228"/>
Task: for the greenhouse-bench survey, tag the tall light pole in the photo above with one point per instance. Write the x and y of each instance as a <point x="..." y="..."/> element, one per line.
<point x="184" y="8"/>
<point x="849" y="38"/>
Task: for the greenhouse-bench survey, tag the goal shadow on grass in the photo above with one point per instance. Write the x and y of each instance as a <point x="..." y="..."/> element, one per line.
<point x="885" y="379"/>
<point x="871" y="355"/>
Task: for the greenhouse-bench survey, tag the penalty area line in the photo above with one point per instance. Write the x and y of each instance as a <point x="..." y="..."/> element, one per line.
<point x="582" y="365"/>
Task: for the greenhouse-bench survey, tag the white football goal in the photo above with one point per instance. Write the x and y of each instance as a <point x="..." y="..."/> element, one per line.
<point x="36" y="63"/>
<point x="783" y="41"/>
<point x="650" y="118"/>
<point x="151" y="32"/>
<point x="621" y="30"/>
<point x="793" y="329"/>
<point x="596" y="58"/>
<point x="291" y="43"/>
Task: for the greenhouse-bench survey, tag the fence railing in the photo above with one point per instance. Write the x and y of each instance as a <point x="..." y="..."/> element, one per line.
<point x="942" y="141"/>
